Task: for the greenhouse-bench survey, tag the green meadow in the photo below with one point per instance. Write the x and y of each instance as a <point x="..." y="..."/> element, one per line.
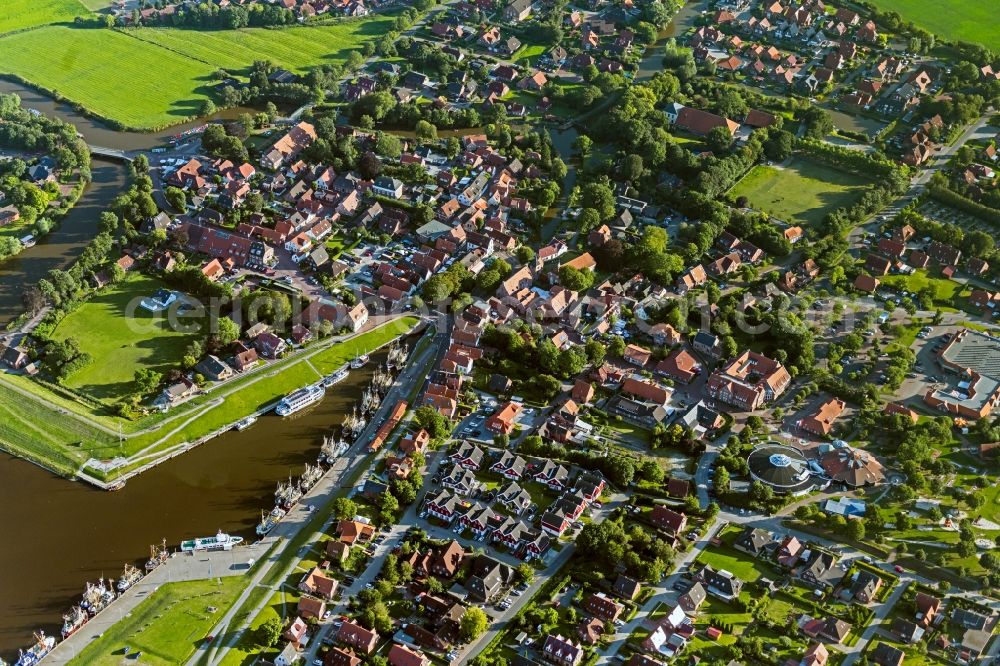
<point x="962" y="20"/>
<point x="21" y="14"/>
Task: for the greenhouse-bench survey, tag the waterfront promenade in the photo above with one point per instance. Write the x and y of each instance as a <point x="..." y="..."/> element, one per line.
<point x="180" y="567"/>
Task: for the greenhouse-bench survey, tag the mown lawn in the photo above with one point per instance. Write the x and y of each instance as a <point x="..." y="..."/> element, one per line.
<point x="154" y="77"/>
<point x="121" y="338"/>
<point x="723" y="557"/>
<point x="964" y="20"/>
<point x="944" y="290"/>
<point x="802" y="192"/>
<point x="167" y="626"/>
<point x="20" y="14"/>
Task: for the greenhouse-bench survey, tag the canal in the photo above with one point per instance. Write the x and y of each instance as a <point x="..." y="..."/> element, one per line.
<point x="60" y="534"/>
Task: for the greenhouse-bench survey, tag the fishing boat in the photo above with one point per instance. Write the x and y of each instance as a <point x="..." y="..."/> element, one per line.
<point x="268" y="521"/>
<point x="299" y="400"/>
<point x="336" y="377"/>
<point x="96" y="597"/>
<point x="73" y="620"/>
<point x="397" y="356"/>
<point x="221" y="541"/>
<point x="359" y="362"/>
<point x="129" y="577"/>
<point x="157" y="556"/>
<point x="243" y="424"/>
<point x="309" y="478"/>
<point x="293" y="494"/>
<point x="43" y="645"/>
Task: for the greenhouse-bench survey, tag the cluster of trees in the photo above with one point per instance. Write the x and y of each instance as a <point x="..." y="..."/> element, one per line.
<point x="611" y="544"/>
<point x="522" y="351"/>
<point x="28" y="131"/>
<point x="219" y="143"/>
<point x="210" y="16"/>
<point x="261" y="90"/>
<point x="64" y="357"/>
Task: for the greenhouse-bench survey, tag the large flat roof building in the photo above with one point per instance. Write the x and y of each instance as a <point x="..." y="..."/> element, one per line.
<point x="972" y="359"/>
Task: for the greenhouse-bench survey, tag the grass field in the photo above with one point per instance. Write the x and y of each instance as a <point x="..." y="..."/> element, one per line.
<point x="121" y="344"/>
<point x="802" y="192"/>
<point x="167" y="626"/>
<point x="153" y="77"/>
<point x="944" y="290"/>
<point x="964" y="20"/>
<point x="20" y="14"/>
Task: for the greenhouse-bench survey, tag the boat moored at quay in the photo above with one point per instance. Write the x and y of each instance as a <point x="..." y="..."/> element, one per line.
<point x="221" y="541"/>
<point x="299" y="400"/>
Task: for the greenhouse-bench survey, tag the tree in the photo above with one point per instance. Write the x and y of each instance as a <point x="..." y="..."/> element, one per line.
<point x="632" y="167"/>
<point x="229" y="331"/>
<point x="343" y="508"/>
<point x="425" y="131"/>
<point x="269" y="633"/>
<point x="600" y="197"/>
<point x="146" y="380"/>
<point x="721" y="479"/>
<point x="474" y="623"/>
<point x="432" y="421"/>
<point x="855" y="530"/>
<point x="576" y="279"/>
<point x="651" y="471"/>
<point x="207" y="108"/>
<point x="525" y="254"/>
<point x="525" y="572"/>
<point x="719" y="139"/>
<point x="177" y="198"/>
<point x="588" y="220"/>
<point x="595" y="352"/>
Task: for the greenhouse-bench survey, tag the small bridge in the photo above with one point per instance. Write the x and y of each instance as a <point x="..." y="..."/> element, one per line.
<point x="110" y="153"/>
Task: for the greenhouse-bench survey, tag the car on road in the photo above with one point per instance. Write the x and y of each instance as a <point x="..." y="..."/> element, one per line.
<point x="899" y="569"/>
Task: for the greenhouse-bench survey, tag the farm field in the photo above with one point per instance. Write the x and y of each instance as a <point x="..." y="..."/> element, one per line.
<point x="156" y="77"/>
<point x="20" y="14"/>
<point x="120" y="342"/>
<point x="802" y="192"/>
<point x="965" y="20"/>
<point x="111" y="74"/>
<point x="296" y="48"/>
<point x="168" y="625"/>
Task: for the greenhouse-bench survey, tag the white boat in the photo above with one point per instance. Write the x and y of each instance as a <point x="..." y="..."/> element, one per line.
<point x="220" y="541"/>
<point x="299" y="400"/>
<point x="336" y="377"/>
<point x="359" y="361"/>
<point x="243" y="424"/>
<point x="268" y="521"/>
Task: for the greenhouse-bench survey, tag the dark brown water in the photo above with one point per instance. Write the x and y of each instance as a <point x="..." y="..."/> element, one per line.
<point x="59" y="534"/>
